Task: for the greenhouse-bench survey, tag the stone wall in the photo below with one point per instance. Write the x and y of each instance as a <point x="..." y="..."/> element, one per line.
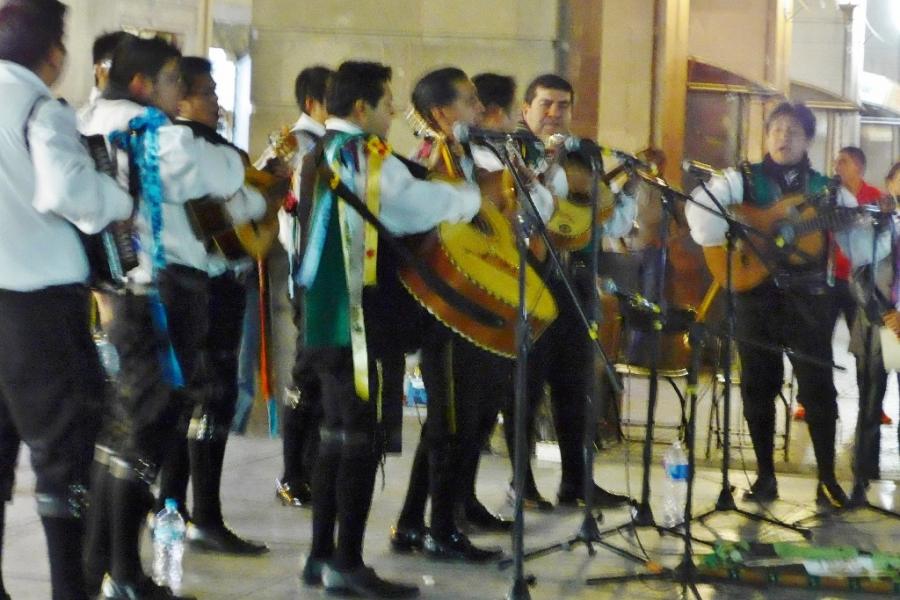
<point x="513" y="37"/>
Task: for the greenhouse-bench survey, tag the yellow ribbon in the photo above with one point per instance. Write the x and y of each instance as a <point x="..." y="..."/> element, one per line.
<point x="377" y="150"/>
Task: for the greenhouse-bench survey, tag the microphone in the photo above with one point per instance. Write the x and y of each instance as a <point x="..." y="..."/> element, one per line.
<point x="467" y="133"/>
<point x="592" y="148"/>
<point x="699" y="169"/>
<point x="635" y="301"/>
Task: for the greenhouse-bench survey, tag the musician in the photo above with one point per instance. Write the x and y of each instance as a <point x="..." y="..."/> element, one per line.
<point x="798" y="313"/>
<point x="359" y="315"/>
<point x="302" y="408"/>
<point x="463" y="382"/>
<point x="200" y="458"/>
<point x="850" y="166"/>
<point x="51" y="385"/>
<point x="875" y="291"/>
<point x="562" y="356"/>
<point x="160" y="325"/>
<point x="102" y="52"/>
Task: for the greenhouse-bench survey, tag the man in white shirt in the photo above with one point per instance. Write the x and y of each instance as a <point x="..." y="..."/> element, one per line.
<point x="356" y="312"/>
<point x="51" y="381"/>
<point x="160" y="324"/>
<point x="200" y="457"/>
<point x="102" y="52"/>
<point x="302" y="411"/>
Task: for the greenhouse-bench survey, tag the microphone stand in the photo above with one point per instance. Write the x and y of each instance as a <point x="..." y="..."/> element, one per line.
<point x="528" y="220"/>
<point x="725" y="501"/>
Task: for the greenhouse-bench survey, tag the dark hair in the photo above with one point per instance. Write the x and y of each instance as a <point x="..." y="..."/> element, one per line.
<point x="105" y="45"/>
<point x="856" y="153"/>
<point x="495" y="90"/>
<point x="436" y="89"/>
<point x="893" y="172"/>
<point x="356" y="80"/>
<point x="548" y="81"/>
<point x="798" y="111"/>
<point x="192" y="68"/>
<point x="138" y="56"/>
<point x="312" y="82"/>
<point x="29" y="29"/>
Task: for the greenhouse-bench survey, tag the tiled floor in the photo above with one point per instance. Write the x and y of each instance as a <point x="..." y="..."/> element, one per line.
<point x="253" y="462"/>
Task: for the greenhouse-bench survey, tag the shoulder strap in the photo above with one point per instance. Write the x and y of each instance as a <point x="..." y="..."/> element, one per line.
<point x="38" y="102"/>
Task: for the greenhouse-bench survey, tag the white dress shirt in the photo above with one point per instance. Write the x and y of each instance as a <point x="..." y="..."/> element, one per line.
<point x="42" y="194"/>
<point x="190" y="167"/>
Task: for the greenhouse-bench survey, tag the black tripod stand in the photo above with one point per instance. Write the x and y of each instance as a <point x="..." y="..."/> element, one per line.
<point x="527" y="222"/>
<point x="686" y="571"/>
<point x="736" y="231"/>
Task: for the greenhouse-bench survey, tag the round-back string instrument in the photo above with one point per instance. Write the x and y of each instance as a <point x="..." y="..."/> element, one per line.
<point x="479" y="260"/>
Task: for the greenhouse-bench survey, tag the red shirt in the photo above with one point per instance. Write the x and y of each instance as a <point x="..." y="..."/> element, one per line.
<point x="866" y="195"/>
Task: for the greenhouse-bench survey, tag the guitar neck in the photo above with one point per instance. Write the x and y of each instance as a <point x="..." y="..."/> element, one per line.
<point x="838" y="218"/>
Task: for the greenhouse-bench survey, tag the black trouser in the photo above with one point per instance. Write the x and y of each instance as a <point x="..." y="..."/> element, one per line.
<point x="458" y="379"/>
<point x="872" y="380"/>
<point x="801" y="321"/>
<point x="52" y="388"/>
<point x="200" y="454"/>
<point x="152" y="409"/>
<point x="844" y="303"/>
<point x="561" y="359"/>
<point x="9" y="454"/>
<point x="300" y="422"/>
<point x="349" y="452"/>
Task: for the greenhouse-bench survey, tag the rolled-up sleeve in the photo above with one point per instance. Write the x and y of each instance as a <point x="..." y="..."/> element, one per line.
<point x="66" y="180"/>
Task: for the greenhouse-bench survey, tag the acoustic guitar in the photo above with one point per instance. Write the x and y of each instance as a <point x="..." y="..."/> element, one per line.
<point x="787" y="234"/>
<point x="479" y="260"/>
<point x="212" y="224"/>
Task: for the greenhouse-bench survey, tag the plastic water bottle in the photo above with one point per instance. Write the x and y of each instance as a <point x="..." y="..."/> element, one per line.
<point x="676" y="466"/>
<point x="168" y="546"/>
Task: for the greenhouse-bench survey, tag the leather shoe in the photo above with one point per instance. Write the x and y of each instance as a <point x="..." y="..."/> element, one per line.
<point x="362" y="581"/>
<point x="830" y="496"/>
<point x="298" y="496"/>
<point x="531" y="501"/>
<point x="479" y="516"/>
<point x="219" y="538"/>
<point x="573" y="496"/>
<point x="457" y="546"/>
<point x="407" y="539"/>
<point x="764" y="489"/>
<point x="144" y="589"/>
<point x="312" y="572"/>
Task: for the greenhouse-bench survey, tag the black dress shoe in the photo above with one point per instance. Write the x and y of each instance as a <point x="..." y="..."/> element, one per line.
<point x="219" y="538"/>
<point x="297" y="496"/>
<point x="573" y="496"/>
<point x="407" y="539"/>
<point x="457" y="546"/>
<point x="362" y="581"/>
<point x="764" y="489"/>
<point x="531" y="501"/>
<point x="312" y="572"/>
<point x="830" y="496"/>
<point x="479" y="516"/>
<point x="145" y="589"/>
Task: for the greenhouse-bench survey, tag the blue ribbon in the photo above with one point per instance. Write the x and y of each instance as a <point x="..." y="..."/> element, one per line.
<point x="141" y="141"/>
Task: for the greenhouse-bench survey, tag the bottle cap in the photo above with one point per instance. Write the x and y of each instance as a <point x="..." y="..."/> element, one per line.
<point x="171" y="504"/>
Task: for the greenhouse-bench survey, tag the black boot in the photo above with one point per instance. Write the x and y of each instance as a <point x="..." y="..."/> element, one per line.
<point x="208" y="530"/>
<point x="97" y="534"/>
<point x="64" y="537"/>
<point x="130" y="501"/>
